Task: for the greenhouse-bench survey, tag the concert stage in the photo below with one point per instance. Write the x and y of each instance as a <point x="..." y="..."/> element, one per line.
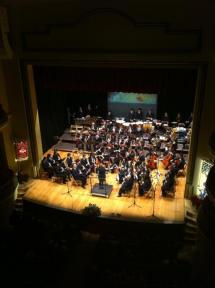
<point x="52" y="194"/>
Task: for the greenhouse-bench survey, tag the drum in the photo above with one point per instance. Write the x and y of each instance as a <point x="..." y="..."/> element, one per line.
<point x="147" y="126"/>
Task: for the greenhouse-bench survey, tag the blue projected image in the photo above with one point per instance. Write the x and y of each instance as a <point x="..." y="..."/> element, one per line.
<point x="132" y="98"/>
<point x="121" y="102"/>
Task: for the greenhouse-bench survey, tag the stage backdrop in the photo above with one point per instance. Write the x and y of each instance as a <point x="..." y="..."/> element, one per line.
<point x="121" y="102"/>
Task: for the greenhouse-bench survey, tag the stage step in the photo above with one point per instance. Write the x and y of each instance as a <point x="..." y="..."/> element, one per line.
<point x="22" y="189"/>
<point x="191" y="225"/>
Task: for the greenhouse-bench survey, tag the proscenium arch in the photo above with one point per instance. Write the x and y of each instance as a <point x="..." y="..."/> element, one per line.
<point x="32" y="109"/>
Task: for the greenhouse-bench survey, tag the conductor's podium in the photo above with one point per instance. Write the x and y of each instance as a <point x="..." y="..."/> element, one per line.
<point x="96" y="190"/>
<point x="102" y="192"/>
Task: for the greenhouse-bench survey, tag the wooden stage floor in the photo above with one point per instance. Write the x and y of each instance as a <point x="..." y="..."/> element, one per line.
<point x="168" y="210"/>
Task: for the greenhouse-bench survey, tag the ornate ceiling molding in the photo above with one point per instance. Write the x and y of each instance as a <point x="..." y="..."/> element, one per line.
<point x="110" y="31"/>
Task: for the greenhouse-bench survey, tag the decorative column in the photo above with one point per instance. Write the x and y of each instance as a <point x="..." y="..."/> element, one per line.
<point x="204" y="258"/>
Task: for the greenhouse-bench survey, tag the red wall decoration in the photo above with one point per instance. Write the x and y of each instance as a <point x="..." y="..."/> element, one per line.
<point x="21" y="150"/>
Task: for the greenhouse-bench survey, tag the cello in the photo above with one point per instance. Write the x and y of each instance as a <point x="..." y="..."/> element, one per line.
<point x="152" y="162"/>
<point x="167" y="159"/>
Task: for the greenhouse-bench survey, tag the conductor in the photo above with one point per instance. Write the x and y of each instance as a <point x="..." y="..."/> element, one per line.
<point x="101" y="175"/>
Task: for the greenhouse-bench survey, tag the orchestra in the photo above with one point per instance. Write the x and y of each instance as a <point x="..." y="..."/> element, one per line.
<point x="132" y="150"/>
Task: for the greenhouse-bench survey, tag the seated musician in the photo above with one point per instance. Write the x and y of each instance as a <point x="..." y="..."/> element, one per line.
<point x="60" y="171"/>
<point x="78" y="175"/>
<point x="182" y="162"/>
<point x="47" y="166"/>
<point x="139" y="114"/>
<point x="50" y="160"/>
<point x="84" y="165"/>
<point x="168" y="185"/>
<point x="145" y="184"/>
<point x="121" y="174"/>
<point x="127" y="184"/>
<point x="84" y="161"/>
<point x="115" y="163"/>
<point x="92" y="161"/>
<point x="56" y="156"/>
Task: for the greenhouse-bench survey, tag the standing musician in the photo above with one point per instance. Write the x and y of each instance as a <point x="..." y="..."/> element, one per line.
<point x="69" y="160"/>
<point x="101" y="175"/>
<point x="131" y="115"/>
<point x="139" y="114"/>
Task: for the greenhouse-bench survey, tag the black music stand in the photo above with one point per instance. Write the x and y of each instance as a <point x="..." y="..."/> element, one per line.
<point x="68" y="189"/>
<point x="134" y="199"/>
<point x="154" y="192"/>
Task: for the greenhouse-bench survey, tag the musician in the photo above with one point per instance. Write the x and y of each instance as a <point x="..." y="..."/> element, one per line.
<point x="88" y="111"/>
<point x="168" y="184"/>
<point x="145" y="185"/>
<point x="131" y="115"/>
<point x="127" y="184"/>
<point x="80" y="113"/>
<point x="165" y="117"/>
<point x="84" y="161"/>
<point x="181" y="163"/>
<point x="149" y="115"/>
<point x="50" y="160"/>
<point x="60" y="170"/>
<point x="78" y="175"/>
<point x="47" y="166"/>
<point x="121" y="174"/>
<point x="189" y="120"/>
<point x="109" y="116"/>
<point x="84" y="166"/>
<point x="92" y="161"/>
<point x="69" y="160"/>
<point x="139" y="114"/>
<point x="56" y="156"/>
<point x="178" y="118"/>
<point x="101" y="175"/>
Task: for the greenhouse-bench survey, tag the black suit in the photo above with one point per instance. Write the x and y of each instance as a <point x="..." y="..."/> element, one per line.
<point x="69" y="161"/>
<point x="101" y="176"/>
<point x="139" y="115"/>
